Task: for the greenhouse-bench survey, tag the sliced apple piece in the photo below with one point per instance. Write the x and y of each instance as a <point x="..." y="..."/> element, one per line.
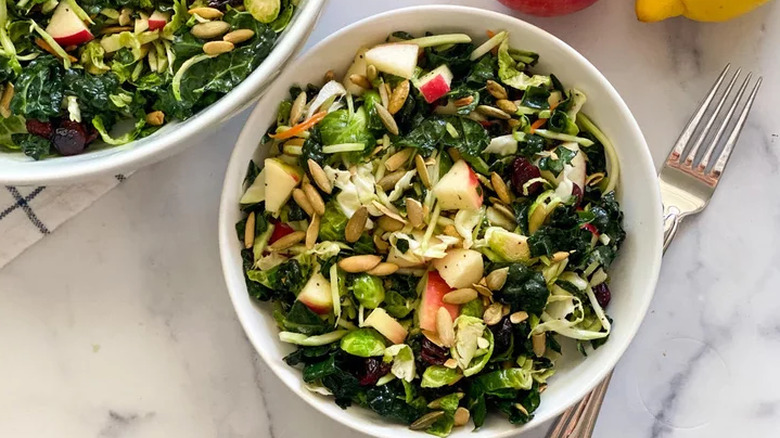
<point x="280" y="180"/>
<point x="460" y="268"/>
<point x="434" y="290"/>
<point x="459" y="189"/>
<point x="158" y="20"/>
<point x="316" y="294"/>
<point x="141" y="23"/>
<point x="256" y="192"/>
<point x="434" y="85"/>
<point x="66" y="27"/>
<point x="510" y="246"/>
<point x="358" y="67"/>
<point x="386" y="325"/>
<point x="399" y="59"/>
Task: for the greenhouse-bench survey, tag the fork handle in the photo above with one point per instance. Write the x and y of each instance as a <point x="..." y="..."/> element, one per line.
<point x="671" y="224"/>
<point x="579" y="420"/>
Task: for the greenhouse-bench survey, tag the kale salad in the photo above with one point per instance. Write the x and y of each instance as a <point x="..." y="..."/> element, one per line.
<point x="75" y="71"/>
<point x="430" y="227"/>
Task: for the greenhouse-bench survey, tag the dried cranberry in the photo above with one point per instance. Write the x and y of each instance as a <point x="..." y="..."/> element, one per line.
<point x="41" y="129"/>
<point x="92" y="133"/>
<point x="502" y="333"/>
<point x="432" y="353"/>
<point x="280" y="230"/>
<point x="603" y="295"/>
<point x="69" y="138"/>
<point x="373" y="369"/>
<point x="522" y="172"/>
<point x="222" y="4"/>
<point x="592" y="228"/>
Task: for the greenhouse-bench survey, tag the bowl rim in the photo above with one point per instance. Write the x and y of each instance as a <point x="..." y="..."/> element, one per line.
<point x="226" y="229"/>
<point x="59" y="170"/>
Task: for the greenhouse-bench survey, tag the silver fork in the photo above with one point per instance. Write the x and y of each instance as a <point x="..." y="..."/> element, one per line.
<point x="687" y="186"/>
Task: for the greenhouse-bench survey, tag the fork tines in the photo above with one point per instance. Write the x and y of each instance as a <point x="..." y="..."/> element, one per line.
<point x="689" y="164"/>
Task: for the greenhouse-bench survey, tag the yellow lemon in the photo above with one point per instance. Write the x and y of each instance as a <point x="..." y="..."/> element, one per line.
<point x="700" y="10"/>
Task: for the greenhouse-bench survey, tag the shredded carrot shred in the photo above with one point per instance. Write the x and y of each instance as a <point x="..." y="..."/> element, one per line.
<point x="490" y="33"/>
<point x="300" y="127"/>
<point x="45" y="46"/>
<point x="537" y="124"/>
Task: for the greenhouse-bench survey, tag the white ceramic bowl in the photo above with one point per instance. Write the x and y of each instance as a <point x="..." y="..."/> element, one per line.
<point x="17" y="169"/>
<point x="633" y="275"/>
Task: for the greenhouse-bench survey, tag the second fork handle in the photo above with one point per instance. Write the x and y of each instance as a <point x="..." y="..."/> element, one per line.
<point x="579" y="420"/>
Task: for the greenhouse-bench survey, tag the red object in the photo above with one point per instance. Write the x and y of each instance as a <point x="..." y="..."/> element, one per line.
<point x="548" y="8"/>
<point x="280" y="230"/>
<point x="432" y="299"/>
<point x="591" y="228"/>
<point x="434" y="89"/>
<point x="41" y="129"/>
<point x="158" y="20"/>
<point x="522" y="172"/>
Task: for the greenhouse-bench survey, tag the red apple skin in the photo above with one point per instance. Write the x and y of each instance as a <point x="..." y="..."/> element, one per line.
<point x="435" y="89"/>
<point x="156" y="24"/>
<point x="75" y="39"/>
<point x="548" y="8"/>
<point x="280" y="230"/>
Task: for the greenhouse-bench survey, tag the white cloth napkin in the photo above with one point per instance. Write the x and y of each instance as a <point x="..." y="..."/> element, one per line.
<point x="27" y="214"/>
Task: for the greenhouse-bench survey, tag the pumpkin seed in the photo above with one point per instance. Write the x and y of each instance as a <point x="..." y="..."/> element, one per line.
<point x="114" y="29"/>
<point x="507" y="106"/>
<point x="521" y="408"/>
<point x="594" y="179"/>
<point x="389" y="181"/>
<point x="383" y="269"/>
<point x="329" y="76"/>
<point x="483" y="290"/>
<point x="207" y="13"/>
<point x="414" y="212"/>
<point x="154" y="118"/>
<point x="433" y="337"/>
<point x="463" y="101"/>
<point x="513" y="123"/>
<point x="387" y="119"/>
<point x="287" y="241"/>
<point x="356" y="225"/>
<point x="518" y="317"/>
<point x="542" y="388"/>
<point x="384" y="94"/>
<point x="539" y="342"/>
<point x="422" y="170"/>
<point x="371" y="73"/>
<point x="460" y="296"/>
<point x="300" y="198"/>
<point x="398" y="97"/>
<point x="209" y="30"/>
<point x="388" y="212"/>
<point x="125" y="17"/>
<point x="559" y="256"/>
<point x="390" y="224"/>
<point x="505" y="309"/>
<point x="313" y="231"/>
<point x="444" y="327"/>
<point x="504" y="210"/>
<point x="499" y="186"/>
<point x="451" y="364"/>
<point x="249" y="231"/>
<point x="426" y="420"/>
<point x="398" y="159"/>
<point x="317" y="204"/>
<point x="454" y="154"/>
<point x="360" y="80"/>
<point x="491" y="111"/>
<point x="217" y="47"/>
<point x="496" y="90"/>
<point x="380" y="244"/>
<point x="319" y="176"/>
<point x="461" y="417"/>
<point x="492" y="315"/>
<point x="296" y="111"/>
<point x="360" y="263"/>
<point x="496" y="279"/>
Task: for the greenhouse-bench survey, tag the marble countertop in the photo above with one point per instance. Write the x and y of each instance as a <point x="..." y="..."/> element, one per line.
<point x="119" y="324"/>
